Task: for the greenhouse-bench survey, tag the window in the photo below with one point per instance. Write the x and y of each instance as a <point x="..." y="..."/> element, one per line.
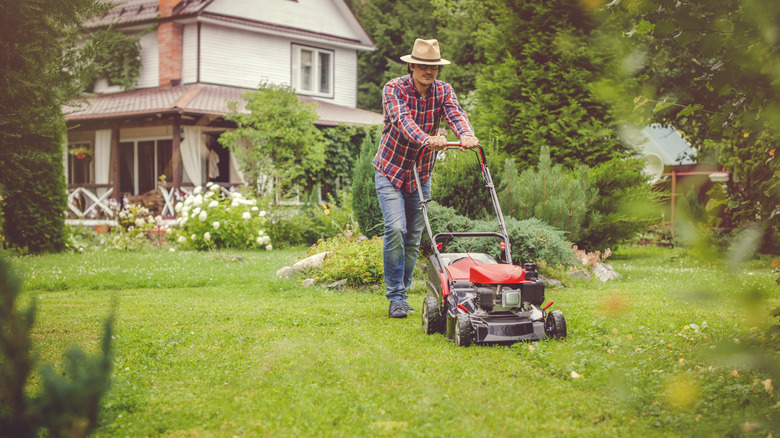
<point x="80" y="163"/>
<point x="142" y="163"/>
<point x="312" y="71"/>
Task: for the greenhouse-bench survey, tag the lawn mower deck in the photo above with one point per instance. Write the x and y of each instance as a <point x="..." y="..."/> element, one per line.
<point x="473" y="298"/>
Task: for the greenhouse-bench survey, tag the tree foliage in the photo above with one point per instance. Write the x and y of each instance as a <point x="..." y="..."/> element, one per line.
<point x="43" y="68"/>
<point x="713" y="70"/>
<point x="276" y="137"/>
<point x="536" y="91"/>
<point x="365" y="202"/>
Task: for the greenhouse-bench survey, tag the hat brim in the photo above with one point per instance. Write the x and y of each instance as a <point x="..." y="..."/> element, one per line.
<point x="412" y="60"/>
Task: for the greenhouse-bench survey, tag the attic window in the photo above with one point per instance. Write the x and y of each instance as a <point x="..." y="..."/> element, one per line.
<point x="312" y="71"/>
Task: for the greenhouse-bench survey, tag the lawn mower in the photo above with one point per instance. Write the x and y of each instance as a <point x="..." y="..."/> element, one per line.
<point x="474" y="298"/>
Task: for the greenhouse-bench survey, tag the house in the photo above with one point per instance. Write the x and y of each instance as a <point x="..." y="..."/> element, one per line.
<point x="202" y="55"/>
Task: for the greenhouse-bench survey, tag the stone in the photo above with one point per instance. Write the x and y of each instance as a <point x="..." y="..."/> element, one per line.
<point x="309" y="282"/>
<point x="285" y="272"/>
<point x="550" y="282"/>
<point x="580" y="274"/>
<point x="604" y="272"/>
<point x="311" y="262"/>
<point x="340" y="284"/>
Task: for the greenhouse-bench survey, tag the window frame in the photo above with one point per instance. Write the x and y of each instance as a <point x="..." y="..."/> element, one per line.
<point x="296" y="75"/>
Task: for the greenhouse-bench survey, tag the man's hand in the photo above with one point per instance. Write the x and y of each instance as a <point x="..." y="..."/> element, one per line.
<point x="437" y="142"/>
<point x="468" y="142"/>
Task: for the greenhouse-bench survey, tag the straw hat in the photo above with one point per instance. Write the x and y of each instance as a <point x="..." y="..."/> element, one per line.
<point x="425" y="52"/>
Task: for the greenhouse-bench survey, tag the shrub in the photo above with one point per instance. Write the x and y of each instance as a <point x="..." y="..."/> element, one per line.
<point x="311" y="222"/>
<point x="457" y="183"/>
<point x="137" y="228"/>
<point x="209" y="220"/>
<point x="531" y="240"/>
<point x="626" y="204"/>
<point x="33" y="194"/>
<point x="365" y="203"/>
<point x="550" y="193"/>
<point x="360" y="264"/>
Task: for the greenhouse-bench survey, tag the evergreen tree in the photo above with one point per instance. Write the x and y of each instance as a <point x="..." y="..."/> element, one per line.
<point x="365" y="203"/>
<point x="41" y="71"/>
<point x="536" y="89"/>
<point x="68" y="403"/>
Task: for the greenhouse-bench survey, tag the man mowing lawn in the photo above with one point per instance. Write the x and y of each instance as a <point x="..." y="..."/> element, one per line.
<point x="413" y="107"/>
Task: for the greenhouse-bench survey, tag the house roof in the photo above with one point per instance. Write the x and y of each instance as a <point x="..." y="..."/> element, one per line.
<point x="138" y="12"/>
<point x="196" y="99"/>
<point x="665" y="141"/>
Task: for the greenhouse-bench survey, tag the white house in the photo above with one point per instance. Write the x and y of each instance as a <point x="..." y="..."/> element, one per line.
<point x="203" y="54"/>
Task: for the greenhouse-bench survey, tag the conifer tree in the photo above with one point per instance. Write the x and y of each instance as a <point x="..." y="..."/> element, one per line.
<point x="365" y="203"/>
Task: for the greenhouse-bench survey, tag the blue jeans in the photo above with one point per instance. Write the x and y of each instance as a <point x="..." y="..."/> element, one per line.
<point x="404" y="224"/>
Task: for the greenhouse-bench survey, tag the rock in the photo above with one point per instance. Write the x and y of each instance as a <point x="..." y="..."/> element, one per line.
<point x="580" y="274"/>
<point x="311" y="262"/>
<point x="309" y="282"/>
<point x="285" y="272"/>
<point x="604" y="272"/>
<point x="340" y="284"/>
<point x="550" y="282"/>
<point x="361" y="238"/>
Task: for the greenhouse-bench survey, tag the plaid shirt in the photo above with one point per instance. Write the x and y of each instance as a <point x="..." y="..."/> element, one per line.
<point x="409" y="120"/>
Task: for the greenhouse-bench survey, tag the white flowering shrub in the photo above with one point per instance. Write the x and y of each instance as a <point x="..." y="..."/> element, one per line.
<point x="137" y="228"/>
<point x="208" y="219"/>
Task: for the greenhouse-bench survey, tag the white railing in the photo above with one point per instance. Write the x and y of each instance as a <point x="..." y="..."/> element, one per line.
<point x="92" y="203"/>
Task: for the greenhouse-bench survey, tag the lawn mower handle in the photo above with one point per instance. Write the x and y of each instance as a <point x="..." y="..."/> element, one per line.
<point x="480" y="152"/>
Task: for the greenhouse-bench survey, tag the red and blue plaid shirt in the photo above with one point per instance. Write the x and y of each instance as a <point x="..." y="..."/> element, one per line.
<point x="409" y="120"/>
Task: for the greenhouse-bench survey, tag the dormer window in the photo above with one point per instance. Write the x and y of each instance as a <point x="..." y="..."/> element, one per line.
<point x="312" y="71"/>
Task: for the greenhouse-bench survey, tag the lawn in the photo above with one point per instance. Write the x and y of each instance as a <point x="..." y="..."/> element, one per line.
<point x="213" y="344"/>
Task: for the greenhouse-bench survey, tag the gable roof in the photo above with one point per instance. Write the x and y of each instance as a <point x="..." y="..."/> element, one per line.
<point x="196" y="100"/>
<point x="128" y="13"/>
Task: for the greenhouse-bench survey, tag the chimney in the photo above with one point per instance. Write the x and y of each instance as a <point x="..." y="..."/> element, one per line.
<point x="169" y="41"/>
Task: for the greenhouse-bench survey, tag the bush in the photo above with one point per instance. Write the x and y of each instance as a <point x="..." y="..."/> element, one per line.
<point x="212" y="220"/>
<point x="34" y="194"/>
<point x="626" y="204"/>
<point x="457" y="183"/>
<point x="360" y="264"/>
<point x="550" y="193"/>
<point x="531" y="240"/>
<point x="311" y="222"/>
<point x="365" y="203"/>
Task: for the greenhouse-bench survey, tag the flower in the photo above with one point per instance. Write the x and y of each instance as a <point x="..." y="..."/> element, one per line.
<point x="235" y="195"/>
<point x="193" y="237"/>
<point x="215" y="225"/>
<point x="139" y="222"/>
<point x="198" y="190"/>
<point x="246" y="215"/>
<point x="262" y="213"/>
<point x="259" y="240"/>
<point x="269" y="247"/>
<point x="207" y="236"/>
<point x="203" y="216"/>
<point x="181" y="239"/>
<point x="198" y="200"/>
<point x="213" y="204"/>
<point x="234" y="203"/>
<point x="179" y="206"/>
<point x="255" y="208"/>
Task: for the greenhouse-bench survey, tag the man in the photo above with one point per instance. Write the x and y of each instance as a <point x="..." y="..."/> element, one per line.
<point x="413" y="107"/>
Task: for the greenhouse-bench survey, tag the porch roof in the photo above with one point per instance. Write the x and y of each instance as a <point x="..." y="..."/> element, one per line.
<point x="196" y="99"/>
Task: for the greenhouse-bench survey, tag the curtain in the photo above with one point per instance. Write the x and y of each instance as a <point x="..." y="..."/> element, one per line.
<point x="102" y="156"/>
<point x="236" y="167"/>
<point x="191" y="155"/>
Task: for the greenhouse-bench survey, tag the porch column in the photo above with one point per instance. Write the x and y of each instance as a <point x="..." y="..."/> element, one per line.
<point x="115" y="160"/>
<point x="176" y="153"/>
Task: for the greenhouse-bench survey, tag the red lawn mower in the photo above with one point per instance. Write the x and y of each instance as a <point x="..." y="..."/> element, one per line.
<point x="473" y="298"/>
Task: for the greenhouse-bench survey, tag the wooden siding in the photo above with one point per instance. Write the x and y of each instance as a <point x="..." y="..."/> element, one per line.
<point x="322" y="16"/>
<point x="189" y="56"/>
<point x="242" y="59"/>
<point x="149" y="74"/>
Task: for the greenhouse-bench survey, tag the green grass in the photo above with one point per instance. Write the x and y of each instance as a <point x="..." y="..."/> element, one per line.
<point x="209" y="345"/>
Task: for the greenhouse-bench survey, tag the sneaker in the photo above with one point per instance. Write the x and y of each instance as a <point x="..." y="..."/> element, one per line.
<point x="407" y="307"/>
<point x="396" y="310"/>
